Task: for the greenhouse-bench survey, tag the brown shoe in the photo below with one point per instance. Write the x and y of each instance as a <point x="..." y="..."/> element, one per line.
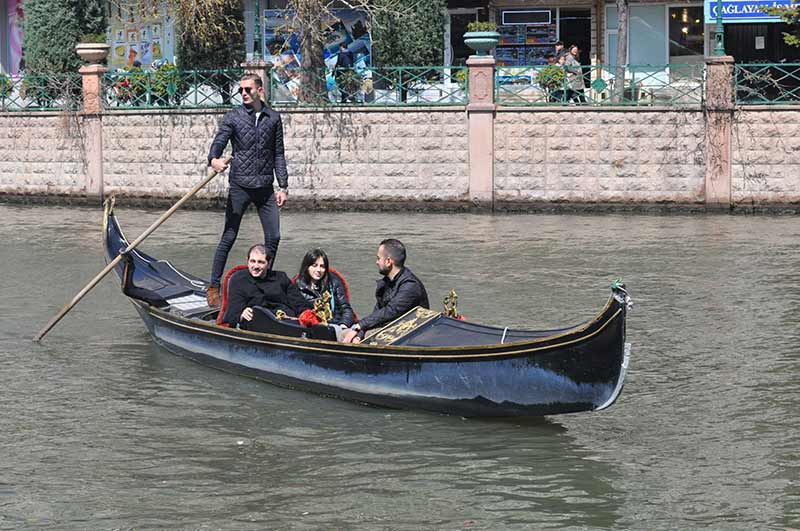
<point x="212" y="296"/>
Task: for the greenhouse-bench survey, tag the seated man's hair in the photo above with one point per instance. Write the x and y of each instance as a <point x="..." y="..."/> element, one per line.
<point x="395" y="250"/>
<point x="256" y="79"/>
<point x="261" y="249"/>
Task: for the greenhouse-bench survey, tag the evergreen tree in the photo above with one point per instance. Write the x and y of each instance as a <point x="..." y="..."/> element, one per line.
<point x="92" y="17"/>
<point x="50" y="34"/>
<point x="410" y="39"/>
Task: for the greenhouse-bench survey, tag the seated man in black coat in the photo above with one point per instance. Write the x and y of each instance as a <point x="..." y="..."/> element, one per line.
<point x="258" y="286"/>
<point x="397" y="292"/>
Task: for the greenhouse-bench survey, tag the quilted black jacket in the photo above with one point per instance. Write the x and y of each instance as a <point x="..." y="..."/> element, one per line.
<point x="256" y="153"/>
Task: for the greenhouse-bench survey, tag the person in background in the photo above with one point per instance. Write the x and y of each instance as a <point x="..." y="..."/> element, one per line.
<point x="344" y="74"/>
<point x="574" y="72"/>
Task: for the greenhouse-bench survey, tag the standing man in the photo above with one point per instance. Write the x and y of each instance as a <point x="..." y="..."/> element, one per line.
<point x="344" y="73"/>
<point x="397" y="292"/>
<point x="256" y="135"/>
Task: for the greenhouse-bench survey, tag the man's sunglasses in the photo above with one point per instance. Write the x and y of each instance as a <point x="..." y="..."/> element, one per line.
<point x="249" y="90"/>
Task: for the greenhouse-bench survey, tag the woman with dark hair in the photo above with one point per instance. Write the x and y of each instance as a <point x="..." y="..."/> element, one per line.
<point x="316" y="278"/>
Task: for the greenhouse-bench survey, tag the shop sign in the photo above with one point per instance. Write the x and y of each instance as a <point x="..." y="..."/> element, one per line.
<point x="740" y="11"/>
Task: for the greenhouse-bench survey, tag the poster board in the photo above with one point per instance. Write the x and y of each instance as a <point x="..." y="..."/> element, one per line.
<point x="281" y="43"/>
<point x="138" y="35"/>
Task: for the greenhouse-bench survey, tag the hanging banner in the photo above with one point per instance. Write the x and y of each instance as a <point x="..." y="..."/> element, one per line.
<point x="741" y="11"/>
<point x="15" y="51"/>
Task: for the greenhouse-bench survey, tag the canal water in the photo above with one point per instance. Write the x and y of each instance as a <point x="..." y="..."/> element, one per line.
<point x="101" y="429"/>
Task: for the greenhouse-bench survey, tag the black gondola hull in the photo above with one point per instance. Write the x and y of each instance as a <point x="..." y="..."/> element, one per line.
<point x="581" y="369"/>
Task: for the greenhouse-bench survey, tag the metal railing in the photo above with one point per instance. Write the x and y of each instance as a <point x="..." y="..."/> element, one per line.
<point x="392" y="86"/>
<point x="171" y="88"/>
<point x="53" y="92"/>
<point x="767" y="83"/>
<point x="674" y="85"/>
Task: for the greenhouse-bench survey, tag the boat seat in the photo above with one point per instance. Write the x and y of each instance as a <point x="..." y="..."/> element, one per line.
<point x="265" y="321"/>
<point x="224" y="292"/>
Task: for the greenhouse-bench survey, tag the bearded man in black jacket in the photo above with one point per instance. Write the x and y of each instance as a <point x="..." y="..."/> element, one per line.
<point x="256" y="135"/>
<point x="260" y="286"/>
<point x="396" y="293"/>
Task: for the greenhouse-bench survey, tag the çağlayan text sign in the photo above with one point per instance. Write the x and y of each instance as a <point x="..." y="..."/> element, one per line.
<point x="737" y="11"/>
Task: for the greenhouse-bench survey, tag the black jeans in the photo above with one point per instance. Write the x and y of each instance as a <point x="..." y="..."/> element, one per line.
<point x="239" y="198"/>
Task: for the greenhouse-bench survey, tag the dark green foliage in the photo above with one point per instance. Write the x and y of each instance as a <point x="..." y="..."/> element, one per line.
<point x="225" y="49"/>
<point x="415" y="39"/>
<point x="50" y="34"/>
<point x="91" y="17"/>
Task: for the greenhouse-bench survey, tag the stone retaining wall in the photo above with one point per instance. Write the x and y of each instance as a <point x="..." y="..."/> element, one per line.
<point x="420" y="156"/>
<point x="766" y="155"/>
<point x="41" y="153"/>
<point x="609" y="156"/>
<point x="413" y="155"/>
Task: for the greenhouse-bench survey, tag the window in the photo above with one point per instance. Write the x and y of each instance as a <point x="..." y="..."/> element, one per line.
<point x="686" y="35"/>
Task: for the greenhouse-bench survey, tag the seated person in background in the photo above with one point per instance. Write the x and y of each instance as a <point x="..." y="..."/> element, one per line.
<point x="315" y="279"/>
<point x="397" y="292"/>
<point x="258" y="286"/>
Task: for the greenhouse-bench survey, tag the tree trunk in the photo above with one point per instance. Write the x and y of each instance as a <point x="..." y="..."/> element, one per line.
<point x="312" y="78"/>
<point x="622" y="51"/>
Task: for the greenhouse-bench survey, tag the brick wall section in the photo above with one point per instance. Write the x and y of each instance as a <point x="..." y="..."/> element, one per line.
<point x="582" y="156"/>
<point x="766" y="155"/>
<point x="41" y="153"/>
<point x="408" y="154"/>
<point x="158" y="154"/>
<point x="415" y="155"/>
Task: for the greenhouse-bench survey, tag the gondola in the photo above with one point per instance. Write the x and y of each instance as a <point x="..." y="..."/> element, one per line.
<point x="424" y="360"/>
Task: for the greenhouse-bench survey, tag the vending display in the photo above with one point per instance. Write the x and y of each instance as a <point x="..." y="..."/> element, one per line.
<point x="527" y="37"/>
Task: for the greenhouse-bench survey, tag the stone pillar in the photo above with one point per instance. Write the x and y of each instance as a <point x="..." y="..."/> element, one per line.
<point x="93" y="127"/>
<point x="480" y="112"/>
<point x="260" y="68"/>
<point x="719" y="126"/>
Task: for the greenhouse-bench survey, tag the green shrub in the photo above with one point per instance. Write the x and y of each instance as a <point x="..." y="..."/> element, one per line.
<point x="415" y="39"/>
<point x="6" y="86"/>
<point x="551" y="77"/>
<point x="167" y="85"/>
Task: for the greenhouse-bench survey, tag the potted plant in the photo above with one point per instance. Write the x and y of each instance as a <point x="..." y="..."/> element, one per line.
<point x="481" y="37"/>
<point x="93" y="48"/>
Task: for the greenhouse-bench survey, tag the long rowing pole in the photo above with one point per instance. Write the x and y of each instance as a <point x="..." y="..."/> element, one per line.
<point x="210" y="174"/>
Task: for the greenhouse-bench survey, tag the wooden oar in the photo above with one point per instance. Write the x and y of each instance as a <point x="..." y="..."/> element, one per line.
<point x="210" y="175"/>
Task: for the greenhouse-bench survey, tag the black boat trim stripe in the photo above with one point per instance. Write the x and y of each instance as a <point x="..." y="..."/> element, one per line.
<point x="155" y="313"/>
